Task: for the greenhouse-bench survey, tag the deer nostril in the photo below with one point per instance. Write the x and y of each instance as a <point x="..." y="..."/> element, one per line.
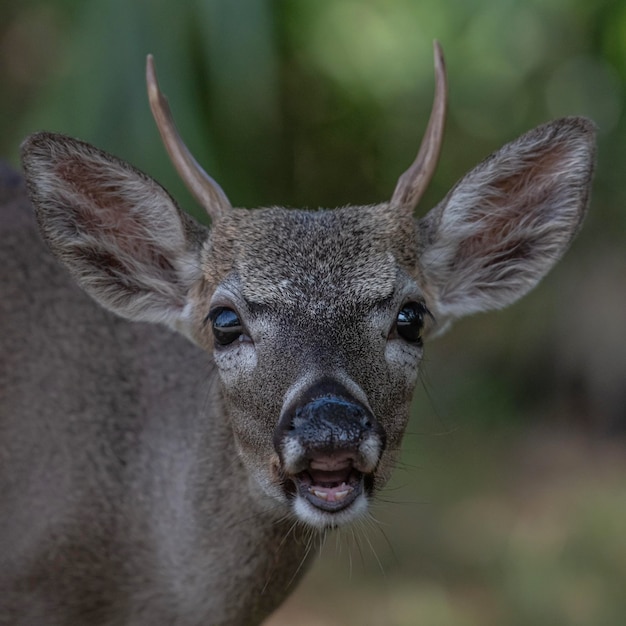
<point x="330" y="422"/>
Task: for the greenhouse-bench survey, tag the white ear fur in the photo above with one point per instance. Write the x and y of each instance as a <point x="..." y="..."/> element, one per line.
<point x="118" y="231"/>
<point x="506" y="223"/>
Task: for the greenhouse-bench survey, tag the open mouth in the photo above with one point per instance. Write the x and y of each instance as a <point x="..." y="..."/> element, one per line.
<point x="328" y="485"/>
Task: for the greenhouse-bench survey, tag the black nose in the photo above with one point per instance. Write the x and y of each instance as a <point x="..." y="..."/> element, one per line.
<point x="330" y="423"/>
<point x="327" y="419"/>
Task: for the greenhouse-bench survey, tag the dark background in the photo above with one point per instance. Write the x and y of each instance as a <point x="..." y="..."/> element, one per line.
<point x="510" y="506"/>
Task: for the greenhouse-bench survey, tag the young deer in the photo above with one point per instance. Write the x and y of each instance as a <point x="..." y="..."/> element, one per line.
<point x="177" y="472"/>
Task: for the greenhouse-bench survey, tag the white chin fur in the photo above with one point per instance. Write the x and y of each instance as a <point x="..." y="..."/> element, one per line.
<point x="319" y="519"/>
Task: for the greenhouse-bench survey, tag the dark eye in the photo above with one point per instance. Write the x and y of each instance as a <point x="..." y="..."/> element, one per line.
<point x="410" y="321"/>
<point x="227" y="326"/>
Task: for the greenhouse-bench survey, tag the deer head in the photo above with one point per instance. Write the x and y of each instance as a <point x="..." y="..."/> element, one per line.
<point x="315" y="319"/>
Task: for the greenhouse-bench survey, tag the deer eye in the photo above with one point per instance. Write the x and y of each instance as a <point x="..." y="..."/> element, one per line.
<point x="227" y="326"/>
<point x="410" y="321"/>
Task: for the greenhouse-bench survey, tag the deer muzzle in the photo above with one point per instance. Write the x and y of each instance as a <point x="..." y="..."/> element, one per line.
<point x="329" y="445"/>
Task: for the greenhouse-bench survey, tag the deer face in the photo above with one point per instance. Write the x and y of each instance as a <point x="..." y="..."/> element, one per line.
<point x="317" y="335"/>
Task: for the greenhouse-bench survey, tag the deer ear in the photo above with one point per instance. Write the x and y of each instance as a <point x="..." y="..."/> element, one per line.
<point x="117" y="231"/>
<point x="506" y="223"/>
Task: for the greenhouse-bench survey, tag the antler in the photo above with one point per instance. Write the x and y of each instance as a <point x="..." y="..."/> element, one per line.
<point x="412" y="184"/>
<point x="206" y="191"/>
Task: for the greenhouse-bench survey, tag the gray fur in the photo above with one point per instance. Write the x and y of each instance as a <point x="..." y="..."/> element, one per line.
<point x="139" y="481"/>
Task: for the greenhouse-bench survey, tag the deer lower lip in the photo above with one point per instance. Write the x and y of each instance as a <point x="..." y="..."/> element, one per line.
<point x="329" y="490"/>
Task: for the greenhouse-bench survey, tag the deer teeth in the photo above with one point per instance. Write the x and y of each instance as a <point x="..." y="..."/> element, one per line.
<point x="333" y="496"/>
<point x="322" y="495"/>
<point x="340" y="495"/>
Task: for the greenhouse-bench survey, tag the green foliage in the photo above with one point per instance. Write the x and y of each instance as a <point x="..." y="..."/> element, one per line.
<point x="316" y="103"/>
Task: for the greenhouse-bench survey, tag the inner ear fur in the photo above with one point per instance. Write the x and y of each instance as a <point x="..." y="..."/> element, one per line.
<point x="117" y="230"/>
<point x="507" y="222"/>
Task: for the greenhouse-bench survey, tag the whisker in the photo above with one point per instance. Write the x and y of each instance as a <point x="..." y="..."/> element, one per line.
<point x="302" y="562"/>
<point x="379" y="526"/>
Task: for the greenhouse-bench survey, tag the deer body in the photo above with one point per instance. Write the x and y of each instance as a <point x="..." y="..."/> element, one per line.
<point x="114" y="492"/>
<point x="171" y="445"/>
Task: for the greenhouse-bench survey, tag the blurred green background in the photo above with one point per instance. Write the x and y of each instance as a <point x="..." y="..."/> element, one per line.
<point x="510" y="504"/>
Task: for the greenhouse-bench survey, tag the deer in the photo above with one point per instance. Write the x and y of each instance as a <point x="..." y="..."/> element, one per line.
<point x="186" y="409"/>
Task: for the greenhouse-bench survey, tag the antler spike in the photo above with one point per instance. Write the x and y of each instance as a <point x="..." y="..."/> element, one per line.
<point x="412" y="184"/>
<point x="206" y="191"/>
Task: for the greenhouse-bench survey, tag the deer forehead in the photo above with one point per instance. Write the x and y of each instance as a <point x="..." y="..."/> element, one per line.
<point x="326" y="258"/>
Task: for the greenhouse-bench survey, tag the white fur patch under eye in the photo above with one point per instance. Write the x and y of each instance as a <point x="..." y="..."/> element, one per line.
<point x="235" y="360"/>
<point x="399" y="354"/>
